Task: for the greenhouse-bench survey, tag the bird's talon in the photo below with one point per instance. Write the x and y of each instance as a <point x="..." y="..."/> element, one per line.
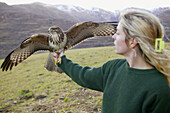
<point x="58" y="61"/>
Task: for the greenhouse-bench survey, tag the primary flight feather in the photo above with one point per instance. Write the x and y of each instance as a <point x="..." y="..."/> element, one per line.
<point x="56" y="40"/>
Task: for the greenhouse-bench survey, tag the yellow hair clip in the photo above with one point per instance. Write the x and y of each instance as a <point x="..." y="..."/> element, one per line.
<point x="159" y="45"/>
<point x="58" y="61"/>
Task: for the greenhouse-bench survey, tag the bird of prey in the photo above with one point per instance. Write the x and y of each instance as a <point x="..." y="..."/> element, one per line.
<point x="56" y="40"/>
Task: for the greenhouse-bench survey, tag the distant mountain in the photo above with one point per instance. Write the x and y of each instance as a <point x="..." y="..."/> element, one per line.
<point x="95" y="14"/>
<point x="17" y="22"/>
<point x="164" y="15"/>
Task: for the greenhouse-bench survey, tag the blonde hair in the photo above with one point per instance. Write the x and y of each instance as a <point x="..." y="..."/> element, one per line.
<point x="145" y="28"/>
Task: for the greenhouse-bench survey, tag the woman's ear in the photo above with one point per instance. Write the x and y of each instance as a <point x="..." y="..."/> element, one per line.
<point x="133" y="43"/>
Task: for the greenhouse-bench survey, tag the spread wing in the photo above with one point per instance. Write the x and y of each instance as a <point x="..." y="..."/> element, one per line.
<point x="82" y="31"/>
<point x="27" y="48"/>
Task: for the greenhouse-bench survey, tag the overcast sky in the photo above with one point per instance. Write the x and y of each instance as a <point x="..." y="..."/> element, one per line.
<point x="110" y="5"/>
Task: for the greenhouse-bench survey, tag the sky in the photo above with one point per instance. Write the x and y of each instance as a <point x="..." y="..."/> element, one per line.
<point x="109" y="5"/>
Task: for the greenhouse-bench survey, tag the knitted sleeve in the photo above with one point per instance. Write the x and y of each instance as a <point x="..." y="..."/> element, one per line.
<point x="85" y="76"/>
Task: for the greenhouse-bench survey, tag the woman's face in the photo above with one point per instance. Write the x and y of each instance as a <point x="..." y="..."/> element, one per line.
<point x="120" y="43"/>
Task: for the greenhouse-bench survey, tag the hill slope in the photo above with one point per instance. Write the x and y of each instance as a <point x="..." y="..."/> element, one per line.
<point x="31" y="88"/>
<point x="18" y="22"/>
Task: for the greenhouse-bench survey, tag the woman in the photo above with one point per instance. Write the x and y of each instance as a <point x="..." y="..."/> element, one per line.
<point x="138" y="83"/>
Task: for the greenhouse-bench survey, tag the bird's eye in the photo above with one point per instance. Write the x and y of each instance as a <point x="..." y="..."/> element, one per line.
<point x="49" y="29"/>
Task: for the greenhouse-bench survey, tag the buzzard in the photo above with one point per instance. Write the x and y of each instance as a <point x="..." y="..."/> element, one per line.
<point x="56" y="40"/>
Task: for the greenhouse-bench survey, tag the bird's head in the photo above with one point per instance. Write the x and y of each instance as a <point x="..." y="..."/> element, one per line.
<point x="57" y="37"/>
<point x="54" y="30"/>
<point x="57" y="33"/>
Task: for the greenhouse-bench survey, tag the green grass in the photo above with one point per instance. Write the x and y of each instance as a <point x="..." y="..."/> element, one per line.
<point x="20" y="87"/>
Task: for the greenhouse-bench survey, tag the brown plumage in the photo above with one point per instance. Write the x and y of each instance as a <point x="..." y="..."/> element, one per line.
<point x="55" y="41"/>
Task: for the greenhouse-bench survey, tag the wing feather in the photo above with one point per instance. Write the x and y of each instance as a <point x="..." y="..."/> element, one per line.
<point x="81" y="31"/>
<point x="27" y="48"/>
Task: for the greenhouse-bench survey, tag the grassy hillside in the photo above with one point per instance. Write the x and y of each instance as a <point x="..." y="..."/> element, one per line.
<point x="29" y="87"/>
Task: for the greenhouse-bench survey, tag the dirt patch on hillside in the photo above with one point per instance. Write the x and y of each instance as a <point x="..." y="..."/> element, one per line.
<point x="81" y="100"/>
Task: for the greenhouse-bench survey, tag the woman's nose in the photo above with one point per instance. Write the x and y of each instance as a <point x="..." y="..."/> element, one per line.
<point x="114" y="37"/>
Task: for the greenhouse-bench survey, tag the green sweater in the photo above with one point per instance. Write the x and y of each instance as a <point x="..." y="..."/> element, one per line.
<point x="125" y="89"/>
